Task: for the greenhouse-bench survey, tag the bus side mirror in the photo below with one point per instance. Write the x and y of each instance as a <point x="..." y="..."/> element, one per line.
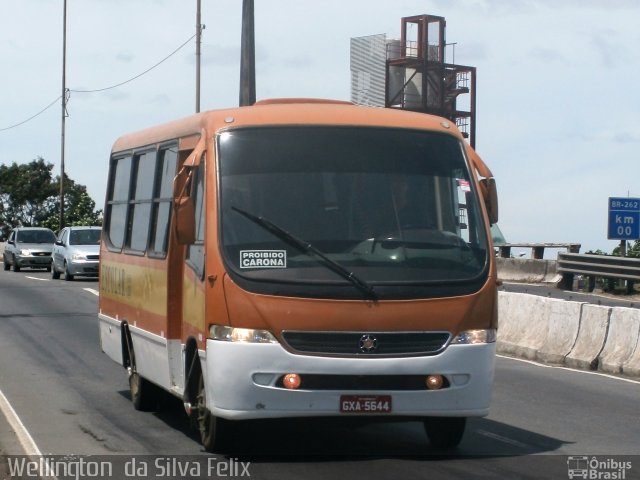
<point x="184" y="210"/>
<point x="487" y="185"/>
<point x="490" y="196"/>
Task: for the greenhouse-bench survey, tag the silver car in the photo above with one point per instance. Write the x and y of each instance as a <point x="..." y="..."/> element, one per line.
<point x="28" y="247"/>
<point x="76" y="252"/>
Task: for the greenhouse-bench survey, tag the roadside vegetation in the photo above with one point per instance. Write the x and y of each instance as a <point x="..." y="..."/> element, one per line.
<point x="30" y="197"/>
<point x="612" y="285"/>
<point x="633" y="250"/>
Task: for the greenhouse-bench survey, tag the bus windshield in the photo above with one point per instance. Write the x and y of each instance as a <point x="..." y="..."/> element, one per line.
<point x="388" y="206"/>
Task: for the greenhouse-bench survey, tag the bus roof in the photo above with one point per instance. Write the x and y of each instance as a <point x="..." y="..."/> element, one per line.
<point x="286" y="112"/>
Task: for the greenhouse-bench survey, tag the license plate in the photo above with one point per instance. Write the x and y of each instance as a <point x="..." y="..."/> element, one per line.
<point x="365" y="404"/>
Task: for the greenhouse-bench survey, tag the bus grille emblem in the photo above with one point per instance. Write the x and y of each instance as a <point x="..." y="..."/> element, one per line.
<point x="368" y="343"/>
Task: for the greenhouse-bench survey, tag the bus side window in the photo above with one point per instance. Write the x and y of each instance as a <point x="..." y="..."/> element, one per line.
<point x="195" y="253"/>
<point x="162" y="200"/>
<point x="117" y="200"/>
<point x="140" y="204"/>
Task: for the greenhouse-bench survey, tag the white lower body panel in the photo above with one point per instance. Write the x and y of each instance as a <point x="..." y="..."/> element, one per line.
<point x="111" y="337"/>
<point x="157" y="359"/>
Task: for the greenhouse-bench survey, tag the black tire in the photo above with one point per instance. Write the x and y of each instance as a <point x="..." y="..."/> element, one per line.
<point x="67" y="276"/>
<point x="142" y="392"/>
<point x="213" y="430"/>
<point x="445" y="432"/>
<point x="6" y="264"/>
<point x="54" y="273"/>
<point x="16" y="267"/>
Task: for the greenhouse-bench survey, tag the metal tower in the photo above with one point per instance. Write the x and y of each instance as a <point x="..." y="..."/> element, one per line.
<point x="419" y="79"/>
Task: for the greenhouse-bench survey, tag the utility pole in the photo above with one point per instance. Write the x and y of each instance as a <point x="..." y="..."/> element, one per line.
<point x="247" y="56"/>
<point x="64" y="110"/>
<point x="199" y="28"/>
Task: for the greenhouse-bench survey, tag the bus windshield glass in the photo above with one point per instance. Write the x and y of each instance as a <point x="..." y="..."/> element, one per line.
<point x="312" y="205"/>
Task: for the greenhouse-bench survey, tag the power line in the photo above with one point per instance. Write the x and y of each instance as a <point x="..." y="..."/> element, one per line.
<point x="33" y="116"/>
<point x="101" y="89"/>
<point x="139" y="75"/>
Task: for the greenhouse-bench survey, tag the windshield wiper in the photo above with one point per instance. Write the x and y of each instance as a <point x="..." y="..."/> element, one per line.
<point x="309" y="249"/>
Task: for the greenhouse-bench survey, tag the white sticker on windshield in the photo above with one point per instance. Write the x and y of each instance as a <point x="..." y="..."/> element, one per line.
<point x="263" y="259"/>
<point x="464" y="185"/>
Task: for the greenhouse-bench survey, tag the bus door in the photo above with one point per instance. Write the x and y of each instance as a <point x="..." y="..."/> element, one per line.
<point x="187" y="268"/>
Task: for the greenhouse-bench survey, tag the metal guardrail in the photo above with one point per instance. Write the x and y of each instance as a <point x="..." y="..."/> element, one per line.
<point x="537" y="249"/>
<point x="593" y="266"/>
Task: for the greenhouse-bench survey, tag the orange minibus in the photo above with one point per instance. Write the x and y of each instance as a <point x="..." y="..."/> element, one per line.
<point x="302" y="258"/>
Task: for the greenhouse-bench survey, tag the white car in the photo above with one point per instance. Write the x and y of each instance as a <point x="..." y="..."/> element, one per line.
<point x="76" y="252"/>
<point x="28" y="247"/>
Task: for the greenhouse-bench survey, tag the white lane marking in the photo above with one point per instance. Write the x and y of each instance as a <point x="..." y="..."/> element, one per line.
<point x="36" y="278"/>
<point x="25" y="439"/>
<point x="587" y="372"/>
<point x="502" y="439"/>
<point x="92" y="290"/>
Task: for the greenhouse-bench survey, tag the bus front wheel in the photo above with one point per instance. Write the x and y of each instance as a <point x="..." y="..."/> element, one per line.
<point x="445" y="432"/>
<point x="211" y="428"/>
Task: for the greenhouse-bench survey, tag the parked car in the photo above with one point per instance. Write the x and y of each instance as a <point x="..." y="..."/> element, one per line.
<point x="28" y="247"/>
<point x="76" y="252"/>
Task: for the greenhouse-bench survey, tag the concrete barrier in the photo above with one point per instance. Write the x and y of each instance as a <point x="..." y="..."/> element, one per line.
<point x="526" y="323"/>
<point x="507" y="303"/>
<point x="622" y="339"/>
<point x="508" y="331"/>
<point x="575" y="334"/>
<point x="594" y="323"/>
<point x="632" y="366"/>
<point x="527" y="270"/>
<point x="562" y="331"/>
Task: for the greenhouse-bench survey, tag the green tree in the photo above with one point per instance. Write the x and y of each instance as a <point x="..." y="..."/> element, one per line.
<point x="632" y="250"/>
<point x="24" y="191"/>
<point x="79" y="207"/>
<point x="30" y="197"/>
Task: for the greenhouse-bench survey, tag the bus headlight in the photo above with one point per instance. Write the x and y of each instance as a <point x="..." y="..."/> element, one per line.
<point x="244" y="335"/>
<point x="474" y="337"/>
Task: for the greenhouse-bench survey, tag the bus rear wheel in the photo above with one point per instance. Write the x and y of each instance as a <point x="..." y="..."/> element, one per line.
<point x="142" y="392"/>
<point x="445" y="432"/>
<point x="213" y="430"/>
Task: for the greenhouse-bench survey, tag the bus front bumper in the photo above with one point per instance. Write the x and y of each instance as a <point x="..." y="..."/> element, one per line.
<point x="243" y="381"/>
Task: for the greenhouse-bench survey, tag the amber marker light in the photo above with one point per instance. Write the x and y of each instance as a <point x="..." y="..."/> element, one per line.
<point x="435" y="382"/>
<point x="292" y="381"/>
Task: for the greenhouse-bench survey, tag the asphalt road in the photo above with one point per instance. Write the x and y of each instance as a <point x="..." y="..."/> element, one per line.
<point x="73" y="400"/>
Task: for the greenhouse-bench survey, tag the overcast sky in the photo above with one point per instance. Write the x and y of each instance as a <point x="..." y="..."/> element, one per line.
<point x="558" y="104"/>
